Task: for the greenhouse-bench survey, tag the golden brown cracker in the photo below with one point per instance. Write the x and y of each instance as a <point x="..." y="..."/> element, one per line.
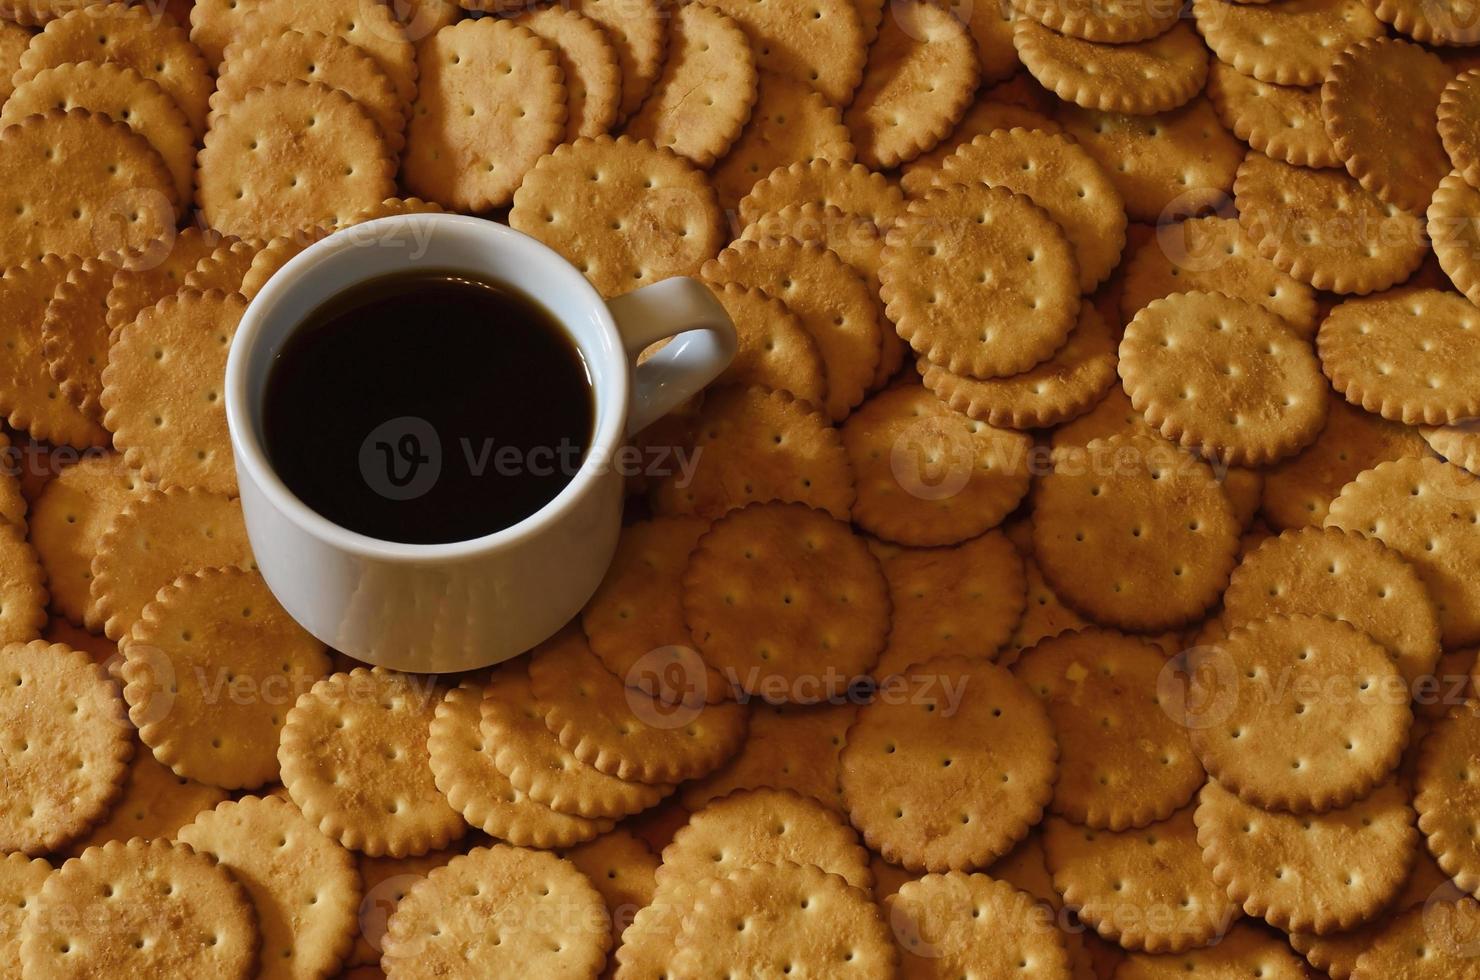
<point x="1142" y="77"/>
<point x="956" y="924"/>
<point x="789" y="747"/>
<point x="850" y="187"/>
<point x="825" y="50"/>
<point x="74" y="334"/>
<point x="638" y="30"/>
<point x="160" y="273"/>
<point x="1281" y="121"/>
<point x="1287" y="43"/>
<point x="983" y="117"/>
<point x="1433" y="940"/>
<point x="620" y="866"/>
<point x="1452" y="230"/>
<point x="155" y="803"/>
<point x="223" y="269"/>
<point x="773" y="349"/>
<point x="1246" y="950"/>
<point x="1459" y="106"/>
<point x="588" y="62"/>
<point x="14" y="38"/>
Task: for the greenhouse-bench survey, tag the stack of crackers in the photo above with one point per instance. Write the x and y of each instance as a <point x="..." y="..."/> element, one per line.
<point x="1075" y="576"/>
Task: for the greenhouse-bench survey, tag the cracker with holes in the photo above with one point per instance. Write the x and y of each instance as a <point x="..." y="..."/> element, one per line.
<point x="704" y="95"/>
<point x="1246" y="950"/>
<point x="21" y="878"/>
<point x="74" y="334"/>
<point x="1452" y="229"/>
<point x="774" y="350"/>
<point x="792" y="747"/>
<point x="497" y="911"/>
<point x="385" y="881"/>
<point x="139" y="285"/>
<point x="956" y="924"/>
<point x="144" y="908"/>
<point x="1457" y="444"/>
<point x="155" y="803"/>
<point x="1124" y="761"/>
<point x="638" y="31"/>
<point x="823" y="48"/>
<point x="620" y="866"/>
<point x="984" y="116"/>
<point x="353" y="753"/>
<point x="1135" y="534"/>
<point x="463" y="769"/>
<point x="162" y="391"/>
<point x="1299" y="713"/>
<point x="490" y="102"/>
<point x="1280" y="121"/>
<point x="952" y="776"/>
<point x="1223" y="377"/>
<point x="14" y="40"/>
<point x="1286" y="44"/>
<point x="1459" y="108"/>
<point x="588" y="62"/>
<point x="1431" y="940"/>
<point x="270" y="259"/>
<point x="784" y="918"/>
<point x="1318" y="873"/>
<point x="1141" y="77"/>
<point x="1144" y="889"/>
<point x="211" y="670"/>
<point x="289" y="157"/>
<point x="223" y="269"/>
<point x="535" y="763"/>
<point x="645" y="948"/>
<point x="68" y="745"/>
<point x="644" y="213"/>
<point x="1445" y="792"/>
<point x="850" y="187"/>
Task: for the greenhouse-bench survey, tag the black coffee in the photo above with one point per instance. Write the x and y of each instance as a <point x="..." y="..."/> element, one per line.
<point x="428" y="407"/>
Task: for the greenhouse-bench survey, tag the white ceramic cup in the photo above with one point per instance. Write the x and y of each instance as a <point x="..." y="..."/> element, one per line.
<point x="467" y="604"/>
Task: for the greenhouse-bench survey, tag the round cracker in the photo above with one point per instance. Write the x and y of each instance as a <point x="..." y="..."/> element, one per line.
<point x="21" y="879"/>
<point x="385" y="881"/>
<point x="1142" y="77"/>
<point x="929" y="475"/>
<point x="1457" y="444"/>
<point x="1144" y="889"/>
<point x="852" y="188"/>
<point x="645" y="950"/>
<point x="941" y="782"/>
<point x="982" y="118"/>
<point x="74" y="335"/>
<point x="704" y="95"/>
<point x="162" y="391"/>
<point x="141" y="284"/>
<point x="773" y="349"/>
<point x="825" y="51"/>
<point x="1287" y="211"/>
<point x="1223" y="377"/>
<point x="1454" y="234"/>
<point x="936" y="265"/>
<point x="1300" y="713"/>
<point x="68" y="745"/>
<point x="1459" y="107"/>
<point x="270" y="259"/>
<point x="1313" y="873"/>
<point x="792" y="747"/>
<point x="1445" y="22"/>
<point x="828" y="296"/>
<point x="304" y="887"/>
<point x="1244" y="951"/>
<point x="155" y="803"/>
<point x="123" y="95"/>
<point x="289" y="157"/>
<point x="141" y="909"/>
<point x="312" y="56"/>
<point x="588" y="62"/>
<point x="1433" y="940"/>
<point x="1445" y="791"/>
<point x="922" y="71"/>
<point x="1104" y="21"/>
<point x="1288" y="43"/>
<point x="174" y="681"/>
<point x="786" y="602"/>
<point x="621" y="867"/>
<point x="498" y="911"/>
<point x="963" y="925"/>
<point x="1281" y="121"/>
<point x="649" y="214"/>
<point x="14" y="39"/>
<point x="1423" y="509"/>
<point x="223" y="269"/>
<point x="638" y="30"/>
<point x="463" y="769"/>
<point x="354" y="759"/>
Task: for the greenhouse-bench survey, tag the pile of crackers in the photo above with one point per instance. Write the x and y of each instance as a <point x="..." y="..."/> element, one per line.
<point x="1076" y="575"/>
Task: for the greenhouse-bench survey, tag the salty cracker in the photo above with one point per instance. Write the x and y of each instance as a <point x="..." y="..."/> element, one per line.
<point x="289" y="157"/>
<point x="790" y="123"/>
<point x="162" y="391"/>
<point x="1409" y="355"/>
<point x="588" y="63"/>
<point x="764" y="826"/>
<point x="960" y="925"/>
<point x="1245" y="951"/>
<point x="786" y="602"/>
<point x="1457" y="444"/>
<point x="825" y="51"/>
<point x="1330" y="572"/>
<point x="1298" y="492"/>
<point x="648" y="215"/>
<point x="140" y="909"/>
<point x="1459" y="108"/>
<point x="1455" y="234"/>
<point x="1166" y="166"/>
<point x="852" y="188"/>
<point x="784" y="918"/>
<point x="269" y="260"/>
<point x="1044" y="615"/>
<point x="753" y="445"/>
<point x="1124" y="761"/>
<point x="621" y="867"/>
<point x="223" y="269"/>
<point x="21" y="879"/>
<point x="1288" y="212"/>
<point x="1280" y="121"/>
<point x="155" y="803"/>
<point x="1223" y="377"/>
<point x="140" y="285"/>
<point x="1144" y="889"/>
<point x="645" y="949"/>
<point x="928" y="475"/>
<point x="1431" y="940"/>
<point x="963" y="599"/>
<point x="130" y="36"/>
<point x="312" y="56"/>
<point x="986" y="297"/>
<point x="621" y="731"/>
<point x="1319" y="873"/>
<point x="1142" y="77"/>
<point x="217" y="725"/>
<point x="951" y="777"/>
<point x="1423" y="509"/>
<point x="1303" y="713"/>
<point x="1134" y="533"/>
<point x="793" y="747"/>
<point x="830" y="298"/>
<point x="68" y="522"/>
<point x="74" y="334"/>
<point x="68" y="745"/>
<point x="491" y="102"/>
<point x="1058" y="176"/>
<point x="528" y="753"/>
<point x="773" y="349"/>
<point x="463" y="769"/>
<point x="304" y="887"/>
<point x="703" y="98"/>
<point x="1446" y="792"/>
<point x="1287" y="43"/>
<point x="1435" y="22"/>
<point x="922" y="71"/>
<point x="982" y="117"/>
<point x="1213" y="254"/>
<point x="1103" y="21"/>
<point x="76" y="183"/>
<point x="123" y="95"/>
<point x="498" y="911"/>
<point x="638" y="30"/>
<point x="14" y="40"/>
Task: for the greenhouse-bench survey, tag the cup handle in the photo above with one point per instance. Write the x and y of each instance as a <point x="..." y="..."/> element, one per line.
<point x="703" y="344"/>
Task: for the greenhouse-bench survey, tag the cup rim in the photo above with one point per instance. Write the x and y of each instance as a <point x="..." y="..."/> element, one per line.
<point x="610" y="384"/>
